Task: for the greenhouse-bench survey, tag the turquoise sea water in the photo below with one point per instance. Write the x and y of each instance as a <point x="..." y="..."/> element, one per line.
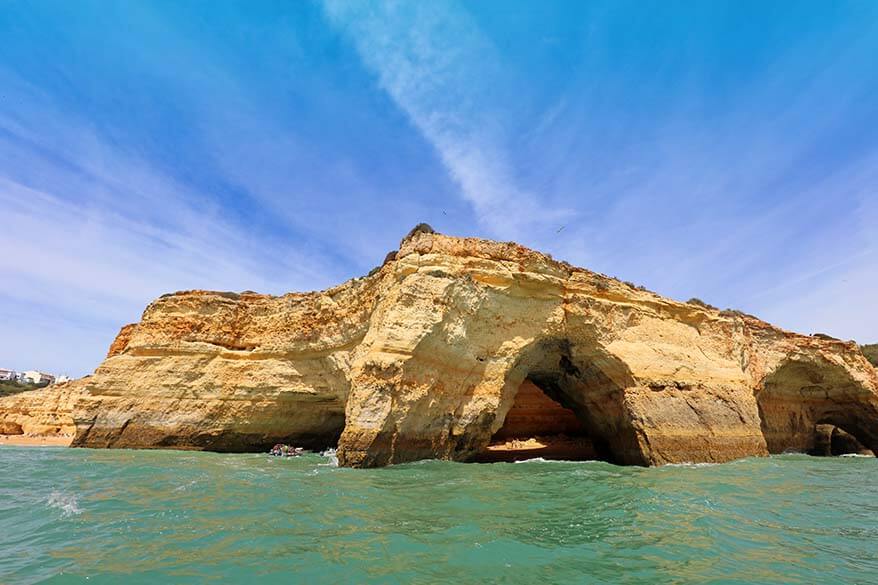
<point x="76" y="515"/>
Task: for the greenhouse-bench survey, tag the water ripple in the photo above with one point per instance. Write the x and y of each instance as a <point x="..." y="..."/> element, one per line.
<point x="152" y="516"/>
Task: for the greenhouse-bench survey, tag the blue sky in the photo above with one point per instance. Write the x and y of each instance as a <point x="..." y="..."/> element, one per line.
<point x="722" y="150"/>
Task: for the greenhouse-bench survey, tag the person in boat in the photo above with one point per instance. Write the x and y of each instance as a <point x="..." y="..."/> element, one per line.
<point x="281" y="450"/>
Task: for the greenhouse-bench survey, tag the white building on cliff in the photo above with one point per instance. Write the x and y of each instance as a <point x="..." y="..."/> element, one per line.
<point x="35" y="377"/>
<point x="31" y="377"/>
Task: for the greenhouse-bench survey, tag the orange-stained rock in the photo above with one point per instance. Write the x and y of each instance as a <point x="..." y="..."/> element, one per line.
<point x="534" y="414"/>
<point x="120" y="344"/>
<point x="423" y="359"/>
<point x="10" y="428"/>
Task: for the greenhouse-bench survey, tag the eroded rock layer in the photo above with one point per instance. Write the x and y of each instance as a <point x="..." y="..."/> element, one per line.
<point x="424" y="357"/>
<point x="39" y="413"/>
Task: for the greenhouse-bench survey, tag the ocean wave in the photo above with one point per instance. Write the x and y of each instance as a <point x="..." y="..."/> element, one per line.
<point x="185" y="486"/>
<point x="532" y="460"/>
<point x="67" y="503"/>
<point x="333" y="458"/>
<point x="544" y="460"/>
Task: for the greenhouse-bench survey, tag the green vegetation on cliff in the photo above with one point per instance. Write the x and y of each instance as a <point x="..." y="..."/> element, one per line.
<point x="9" y="387"/>
<point x="871" y="353"/>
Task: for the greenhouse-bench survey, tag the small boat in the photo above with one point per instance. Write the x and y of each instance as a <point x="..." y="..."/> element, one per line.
<point x="281" y="450"/>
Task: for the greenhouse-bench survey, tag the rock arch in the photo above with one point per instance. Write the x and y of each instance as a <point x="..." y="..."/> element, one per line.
<point x="455" y="414"/>
<point x="423" y="357"/>
<point x="584" y="379"/>
<point x="542" y="425"/>
<point x="804" y="394"/>
<point x="831" y="440"/>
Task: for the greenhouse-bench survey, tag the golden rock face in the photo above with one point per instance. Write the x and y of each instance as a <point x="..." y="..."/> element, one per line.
<point x="44" y="412"/>
<point x="424" y="357"/>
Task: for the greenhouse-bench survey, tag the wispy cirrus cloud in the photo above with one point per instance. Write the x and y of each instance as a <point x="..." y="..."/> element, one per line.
<point x="737" y="196"/>
<point x="144" y="148"/>
<point x="91" y="233"/>
<point x="438" y="67"/>
<point x="836" y="293"/>
<point x="160" y="159"/>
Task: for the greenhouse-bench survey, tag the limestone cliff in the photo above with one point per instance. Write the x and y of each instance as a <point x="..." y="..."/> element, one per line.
<point x="43" y="412"/>
<point x="424" y="358"/>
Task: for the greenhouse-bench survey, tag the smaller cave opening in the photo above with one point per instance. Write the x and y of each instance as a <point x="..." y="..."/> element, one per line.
<point x="540" y="424"/>
<point x="832" y="441"/>
<point x="312" y="426"/>
<point x="816" y="407"/>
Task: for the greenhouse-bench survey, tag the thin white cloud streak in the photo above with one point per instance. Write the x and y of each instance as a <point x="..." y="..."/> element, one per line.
<point x="712" y="207"/>
<point x="121" y="257"/>
<point x="701" y="207"/>
<point x="802" y="261"/>
<point x="438" y="67"/>
<point x="91" y="234"/>
<point x="253" y="143"/>
<point x="94" y="239"/>
<point x="717" y="207"/>
<point x="46" y="340"/>
<point x="839" y="299"/>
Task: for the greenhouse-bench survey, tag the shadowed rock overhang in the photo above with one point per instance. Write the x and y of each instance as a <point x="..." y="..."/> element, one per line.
<point x="424" y="358"/>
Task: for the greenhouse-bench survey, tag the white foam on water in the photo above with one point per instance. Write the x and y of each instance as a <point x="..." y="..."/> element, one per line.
<point x="857" y="455"/>
<point x="65" y="502"/>
<point x="544" y="460"/>
<point x="333" y="458"/>
<point x="185" y="486"/>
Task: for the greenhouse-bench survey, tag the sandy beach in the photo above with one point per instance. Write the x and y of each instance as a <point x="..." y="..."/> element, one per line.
<point x="43" y="441"/>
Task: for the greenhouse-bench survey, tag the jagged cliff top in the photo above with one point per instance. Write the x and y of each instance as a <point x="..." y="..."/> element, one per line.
<point x="423" y="358"/>
<point x="423" y="239"/>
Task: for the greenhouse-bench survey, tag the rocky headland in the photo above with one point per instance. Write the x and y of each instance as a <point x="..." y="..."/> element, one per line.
<point x="464" y="349"/>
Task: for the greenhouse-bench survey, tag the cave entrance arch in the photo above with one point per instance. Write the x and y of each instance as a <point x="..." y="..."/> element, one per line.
<point x="831" y="441"/>
<point x="817" y="408"/>
<point x="539" y="425"/>
<point x="564" y="401"/>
